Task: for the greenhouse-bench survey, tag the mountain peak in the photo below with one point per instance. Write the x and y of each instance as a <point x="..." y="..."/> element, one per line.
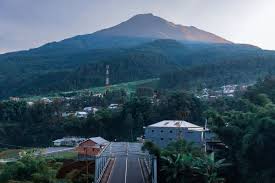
<point x="144" y="15"/>
<point x="151" y="26"/>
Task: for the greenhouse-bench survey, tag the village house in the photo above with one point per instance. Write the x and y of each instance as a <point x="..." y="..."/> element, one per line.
<point x="68" y="141"/>
<point x="67" y="114"/>
<point x="45" y="100"/>
<point x="81" y="114"/>
<point x="30" y="103"/>
<point x="98" y="95"/>
<point x="15" y="99"/>
<point x="90" y="109"/>
<point x="91" y="147"/>
<point x="167" y="131"/>
<point x="113" y="106"/>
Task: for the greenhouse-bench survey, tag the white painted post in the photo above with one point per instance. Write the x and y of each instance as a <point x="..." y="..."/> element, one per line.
<point x="154" y="171"/>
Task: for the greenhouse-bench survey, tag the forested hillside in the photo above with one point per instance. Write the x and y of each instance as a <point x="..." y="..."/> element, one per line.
<point x="231" y="71"/>
<point x="39" y="72"/>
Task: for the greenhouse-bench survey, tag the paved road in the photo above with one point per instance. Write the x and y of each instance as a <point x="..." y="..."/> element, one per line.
<point x="126" y="168"/>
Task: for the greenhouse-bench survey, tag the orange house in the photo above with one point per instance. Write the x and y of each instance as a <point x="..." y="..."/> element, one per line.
<point x="91" y="147"/>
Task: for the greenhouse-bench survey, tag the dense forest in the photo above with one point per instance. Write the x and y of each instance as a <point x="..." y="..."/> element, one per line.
<point x="227" y="72"/>
<point x="43" y="70"/>
<point x="41" y="123"/>
<point x="246" y="125"/>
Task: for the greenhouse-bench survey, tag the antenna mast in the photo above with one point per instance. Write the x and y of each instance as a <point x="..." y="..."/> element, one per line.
<point x="107" y="82"/>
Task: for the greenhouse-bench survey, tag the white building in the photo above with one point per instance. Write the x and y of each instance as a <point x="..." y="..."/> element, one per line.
<point x="98" y="95"/>
<point x="15" y="99"/>
<point x="30" y="103"/>
<point x="81" y="114"/>
<point x="90" y="109"/>
<point x="113" y="106"/>
<point x="229" y="89"/>
<point x="167" y="131"/>
<point x="67" y="114"/>
<point x="68" y="141"/>
<point x="46" y="100"/>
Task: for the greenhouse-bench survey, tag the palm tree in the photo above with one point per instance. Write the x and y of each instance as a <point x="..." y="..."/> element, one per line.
<point x="179" y="168"/>
<point x="208" y="167"/>
<point x="182" y="147"/>
<point x="152" y="148"/>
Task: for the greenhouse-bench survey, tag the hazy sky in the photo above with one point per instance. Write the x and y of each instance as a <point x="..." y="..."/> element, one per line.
<point x="27" y="24"/>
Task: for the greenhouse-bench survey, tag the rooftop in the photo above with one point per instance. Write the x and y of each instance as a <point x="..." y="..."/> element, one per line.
<point x="176" y="124"/>
<point x="99" y="140"/>
<point x="69" y="139"/>
<point x="81" y="112"/>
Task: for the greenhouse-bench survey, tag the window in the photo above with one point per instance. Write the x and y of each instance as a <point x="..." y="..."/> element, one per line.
<point x="161" y="138"/>
<point x="171" y="131"/>
<point x="170" y="139"/>
<point x="161" y="131"/>
<point x="153" y="130"/>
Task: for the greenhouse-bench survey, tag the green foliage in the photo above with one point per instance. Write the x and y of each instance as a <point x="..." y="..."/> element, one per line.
<point x="182" y="147"/>
<point x="152" y="148"/>
<point x="247" y="128"/>
<point x="28" y="168"/>
<point x="182" y="162"/>
<point x="53" y="68"/>
<point x="229" y="71"/>
<point x="144" y="92"/>
<point x="41" y="123"/>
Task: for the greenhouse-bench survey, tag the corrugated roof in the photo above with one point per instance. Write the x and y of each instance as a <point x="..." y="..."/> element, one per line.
<point x="99" y="140"/>
<point x="176" y="124"/>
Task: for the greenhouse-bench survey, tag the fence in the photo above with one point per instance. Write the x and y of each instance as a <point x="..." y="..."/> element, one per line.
<point x="101" y="163"/>
<point x="151" y="167"/>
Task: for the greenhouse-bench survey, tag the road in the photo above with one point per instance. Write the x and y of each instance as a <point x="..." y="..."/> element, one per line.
<point x="127" y="167"/>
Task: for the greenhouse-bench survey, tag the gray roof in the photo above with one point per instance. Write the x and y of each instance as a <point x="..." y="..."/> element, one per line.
<point x="177" y="124"/>
<point x="69" y="139"/>
<point x="99" y="140"/>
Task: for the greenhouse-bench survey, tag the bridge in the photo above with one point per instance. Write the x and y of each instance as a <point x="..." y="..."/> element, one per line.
<point x="124" y="162"/>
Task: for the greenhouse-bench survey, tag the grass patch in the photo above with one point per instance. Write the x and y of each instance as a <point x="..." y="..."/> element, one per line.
<point x="129" y="87"/>
<point x="10" y="153"/>
<point x="62" y="155"/>
<point x="14" y="153"/>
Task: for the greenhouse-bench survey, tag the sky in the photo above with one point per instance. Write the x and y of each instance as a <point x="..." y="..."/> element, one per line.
<point x="28" y="24"/>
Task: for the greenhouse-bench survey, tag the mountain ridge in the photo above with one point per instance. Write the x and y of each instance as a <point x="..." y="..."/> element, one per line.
<point x="138" y="29"/>
<point x="80" y="62"/>
<point x="148" y="25"/>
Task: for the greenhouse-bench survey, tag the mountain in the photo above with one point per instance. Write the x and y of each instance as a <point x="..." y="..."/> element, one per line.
<point x="150" y="26"/>
<point x="137" y="30"/>
<point x="36" y="74"/>
<point x="134" y="51"/>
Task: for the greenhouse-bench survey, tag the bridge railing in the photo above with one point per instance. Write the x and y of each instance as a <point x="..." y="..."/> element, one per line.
<point x="101" y="163"/>
<point x="151" y="167"/>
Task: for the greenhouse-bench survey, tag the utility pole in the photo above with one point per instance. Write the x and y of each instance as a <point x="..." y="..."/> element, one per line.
<point x="183" y="115"/>
<point x="204" y="135"/>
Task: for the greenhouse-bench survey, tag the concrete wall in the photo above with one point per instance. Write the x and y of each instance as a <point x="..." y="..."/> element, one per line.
<point x="162" y="136"/>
